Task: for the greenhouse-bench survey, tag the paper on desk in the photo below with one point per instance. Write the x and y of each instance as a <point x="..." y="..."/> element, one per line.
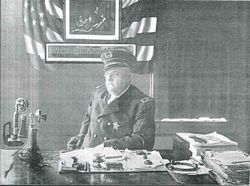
<point x="88" y="154"/>
<point x="207" y="140"/>
<point x="229" y="157"/>
<point x="83" y="155"/>
<point x="110" y="152"/>
<point x="136" y="162"/>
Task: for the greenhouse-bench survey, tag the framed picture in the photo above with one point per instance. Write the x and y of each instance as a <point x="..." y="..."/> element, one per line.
<point x="80" y="53"/>
<point x="92" y="19"/>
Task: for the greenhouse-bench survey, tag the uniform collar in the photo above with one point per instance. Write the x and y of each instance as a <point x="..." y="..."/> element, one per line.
<point x="112" y="98"/>
<point x="115" y="104"/>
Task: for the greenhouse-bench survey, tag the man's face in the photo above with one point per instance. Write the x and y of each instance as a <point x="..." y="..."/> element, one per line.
<point x="117" y="79"/>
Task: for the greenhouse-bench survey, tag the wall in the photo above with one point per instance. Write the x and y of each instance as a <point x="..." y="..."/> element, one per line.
<point x="18" y="78"/>
<point x="200" y="68"/>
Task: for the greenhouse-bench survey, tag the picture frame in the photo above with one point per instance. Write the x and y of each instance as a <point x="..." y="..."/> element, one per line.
<point x="92" y="20"/>
<point x="80" y="53"/>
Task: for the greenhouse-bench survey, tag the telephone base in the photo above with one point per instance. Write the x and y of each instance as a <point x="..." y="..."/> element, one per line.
<point x="10" y="142"/>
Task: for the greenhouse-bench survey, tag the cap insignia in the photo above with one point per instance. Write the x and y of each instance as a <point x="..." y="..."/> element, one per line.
<point x="108" y="55"/>
<point x="144" y="100"/>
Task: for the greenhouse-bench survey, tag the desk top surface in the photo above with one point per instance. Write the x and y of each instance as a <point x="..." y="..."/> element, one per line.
<point x="22" y="174"/>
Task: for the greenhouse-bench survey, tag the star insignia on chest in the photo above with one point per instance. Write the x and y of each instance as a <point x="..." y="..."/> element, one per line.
<point x="115" y="126"/>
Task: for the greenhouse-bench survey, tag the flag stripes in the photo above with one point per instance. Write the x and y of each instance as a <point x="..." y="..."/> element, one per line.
<point x="53" y="9"/>
<point x="139" y="23"/>
<point x="141" y="39"/>
<point x="29" y="44"/>
<point x="53" y="36"/>
<point x="137" y="11"/>
<point x="145" y="53"/>
<point x="145" y="25"/>
<point x="127" y="3"/>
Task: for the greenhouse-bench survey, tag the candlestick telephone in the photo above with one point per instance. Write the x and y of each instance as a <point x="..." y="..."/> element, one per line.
<point x="16" y="134"/>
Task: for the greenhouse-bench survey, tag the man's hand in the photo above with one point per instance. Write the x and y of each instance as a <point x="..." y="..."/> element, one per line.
<point x="114" y="144"/>
<point x="74" y="142"/>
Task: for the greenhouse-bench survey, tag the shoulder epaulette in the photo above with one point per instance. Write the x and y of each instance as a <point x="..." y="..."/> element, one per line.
<point x="95" y="90"/>
<point x="98" y="87"/>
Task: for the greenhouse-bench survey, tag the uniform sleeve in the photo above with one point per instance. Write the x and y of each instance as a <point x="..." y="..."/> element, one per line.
<point x="143" y="135"/>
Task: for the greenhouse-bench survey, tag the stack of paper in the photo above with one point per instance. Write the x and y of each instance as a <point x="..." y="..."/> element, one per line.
<point x="229" y="167"/>
<point x="207" y="140"/>
<point x="199" y="143"/>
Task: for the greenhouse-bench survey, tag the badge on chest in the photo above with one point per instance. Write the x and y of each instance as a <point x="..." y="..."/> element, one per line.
<point x="115" y="126"/>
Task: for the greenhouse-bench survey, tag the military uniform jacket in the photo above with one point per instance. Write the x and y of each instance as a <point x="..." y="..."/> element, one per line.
<point x="126" y="122"/>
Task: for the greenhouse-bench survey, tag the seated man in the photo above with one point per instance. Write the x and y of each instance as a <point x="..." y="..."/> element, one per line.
<point x="119" y="114"/>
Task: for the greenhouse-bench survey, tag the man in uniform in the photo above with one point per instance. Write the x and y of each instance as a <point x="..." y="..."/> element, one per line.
<point x="119" y="114"/>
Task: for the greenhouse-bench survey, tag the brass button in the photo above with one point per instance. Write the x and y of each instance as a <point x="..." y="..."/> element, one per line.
<point x="109" y="123"/>
<point x="99" y="120"/>
<point x="105" y="138"/>
<point x="95" y="135"/>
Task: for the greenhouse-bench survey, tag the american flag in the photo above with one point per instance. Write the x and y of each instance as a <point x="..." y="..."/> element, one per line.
<point x="43" y="22"/>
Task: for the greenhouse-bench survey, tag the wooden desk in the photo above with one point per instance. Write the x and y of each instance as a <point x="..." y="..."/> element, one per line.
<point x="21" y="174"/>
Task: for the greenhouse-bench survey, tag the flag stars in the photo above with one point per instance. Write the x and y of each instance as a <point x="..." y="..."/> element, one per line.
<point x="34" y="22"/>
<point x="26" y="4"/>
<point x="25" y="19"/>
<point x="42" y="23"/>
<point x="32" y="9"/>
<point x="41" y="14"/>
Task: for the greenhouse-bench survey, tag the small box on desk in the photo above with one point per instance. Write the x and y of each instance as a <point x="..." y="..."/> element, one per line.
<point x="187" y="145"/>
<point x="181" y="149"/>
